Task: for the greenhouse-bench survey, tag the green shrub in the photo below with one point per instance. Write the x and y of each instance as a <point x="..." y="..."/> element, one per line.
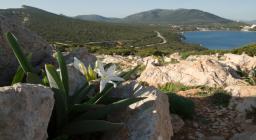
<point x="220" y="97"/>
<point x="182" y="106"/>
<point x="174" y="87"/>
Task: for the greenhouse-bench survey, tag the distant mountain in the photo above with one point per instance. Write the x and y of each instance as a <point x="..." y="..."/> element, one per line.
<point x="251" y="22"/>
<point x="96" y="18"/>
<point x="180" y="16"/>
<point x="165" y="17"/>
<point x="54" y="27"/>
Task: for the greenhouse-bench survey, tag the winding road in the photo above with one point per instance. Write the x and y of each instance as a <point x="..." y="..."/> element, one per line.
<point x="164" y="41"/>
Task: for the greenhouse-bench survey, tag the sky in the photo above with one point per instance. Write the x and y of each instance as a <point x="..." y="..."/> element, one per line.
<point x="232" y="9"/>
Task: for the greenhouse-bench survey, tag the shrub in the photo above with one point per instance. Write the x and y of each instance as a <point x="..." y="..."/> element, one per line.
<point x="220" y="97"/>
<point x="182" y="106"/>
<point x="174" y="87"/>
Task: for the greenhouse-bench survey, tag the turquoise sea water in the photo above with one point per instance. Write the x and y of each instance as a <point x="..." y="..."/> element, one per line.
<point x="220" y="39"/>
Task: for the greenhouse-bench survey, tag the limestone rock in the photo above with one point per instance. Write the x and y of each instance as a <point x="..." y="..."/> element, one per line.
<point x="244" y="136"/>
<point x="243" y="61"/>
<point x="243" y="97"/>
<point x="25" y="111"/>
<point x="30" y="42"/>
<point x="191" y="73"/>
<point x="76" y="79"/>
<point x="145" y="120"/>
<point x="177" y="123"/>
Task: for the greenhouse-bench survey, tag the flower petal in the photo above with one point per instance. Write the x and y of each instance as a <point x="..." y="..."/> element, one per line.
<point x="111" y="70"/>
<point x="103" y="84"/>
<point x="114" y="84"/>
<point x="79" y="65"/>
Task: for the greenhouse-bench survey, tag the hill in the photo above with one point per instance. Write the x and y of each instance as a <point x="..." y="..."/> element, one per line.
<point x="61" y="28"/>
<point x="97" y="18"/>
<point x="75" y="32"/>
<point x="165" y="17"/>
<point x="180" y="16"/>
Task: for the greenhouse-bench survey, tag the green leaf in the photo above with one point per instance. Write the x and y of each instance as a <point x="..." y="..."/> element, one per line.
<point x="63" y="72"/>
<point x="53" y="78"/>
<point x="60" y="108"/>
<point x="85" y="107"/>
<point x="18" y="52"/>
<point x="81" y="127"/>
<point x="33" y="78"/>
<point x="102" y="112"/>
<point x="19" y="76"/>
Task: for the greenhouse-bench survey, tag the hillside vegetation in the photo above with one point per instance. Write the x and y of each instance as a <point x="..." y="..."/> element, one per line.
<point x="74" y="32"/>
<point x="166" y="17"/>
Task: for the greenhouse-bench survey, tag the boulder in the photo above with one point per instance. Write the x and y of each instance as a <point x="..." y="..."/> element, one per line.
<point x="243" y="97"/>
<point x="30" y="42"/>
<point x="25" y="111"/>
<point x="191" y="73"/>
<point x="148" y="119"/>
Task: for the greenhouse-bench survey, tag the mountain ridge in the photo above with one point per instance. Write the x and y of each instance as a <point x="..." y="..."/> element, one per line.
<point x="164" y="16"/>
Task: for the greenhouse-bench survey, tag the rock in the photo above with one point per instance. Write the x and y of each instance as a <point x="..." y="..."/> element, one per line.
<point x="83" y="55"/>
<point x="243" y="97"/>
<point x="191" y="73"/>
<point x="177" y="123"/>
<point x="175" y="56"/>
<point x="244" y="61"/>
<point x="30" y="42"/>
<point x="76" y="79"/>
<point x="212" y="138"/>
<point x="145" y="120"/>
<point x="190" y="92"/>
<point x="25" y="111"/>
<point x="244" y="136"/>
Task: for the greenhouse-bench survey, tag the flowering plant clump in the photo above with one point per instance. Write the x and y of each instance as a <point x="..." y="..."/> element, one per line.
<point x="80" y="115"/>
<point x="106" y="76"/>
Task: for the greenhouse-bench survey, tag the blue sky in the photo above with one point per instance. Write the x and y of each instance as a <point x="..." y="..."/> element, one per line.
<point x="232" y="9"/>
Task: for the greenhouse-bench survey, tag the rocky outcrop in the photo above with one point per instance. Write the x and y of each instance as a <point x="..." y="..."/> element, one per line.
<point x="30" y="42"/>
<point x="244" y="61"/>
<point x="148" y="119"/>
<point x="243" y="97"/>
<point x="191" y="73"/>
<point x="25" y="111"/>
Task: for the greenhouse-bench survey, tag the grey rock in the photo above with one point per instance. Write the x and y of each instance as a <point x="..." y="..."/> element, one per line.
<point x="148" y="119"/>
<point x="177" y="123"/>
<point x="76" y="79"/>
<point x="30" y="43"/>
<point x="25" y="111"/>
<point x="244" y="136"/>
<point x="83" y="55"/>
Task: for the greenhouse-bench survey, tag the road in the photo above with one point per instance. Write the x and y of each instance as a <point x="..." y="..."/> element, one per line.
<point x="164" y="41"/>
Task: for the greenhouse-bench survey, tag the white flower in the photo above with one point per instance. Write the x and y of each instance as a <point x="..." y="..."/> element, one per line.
<point x="108" y="76"/>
